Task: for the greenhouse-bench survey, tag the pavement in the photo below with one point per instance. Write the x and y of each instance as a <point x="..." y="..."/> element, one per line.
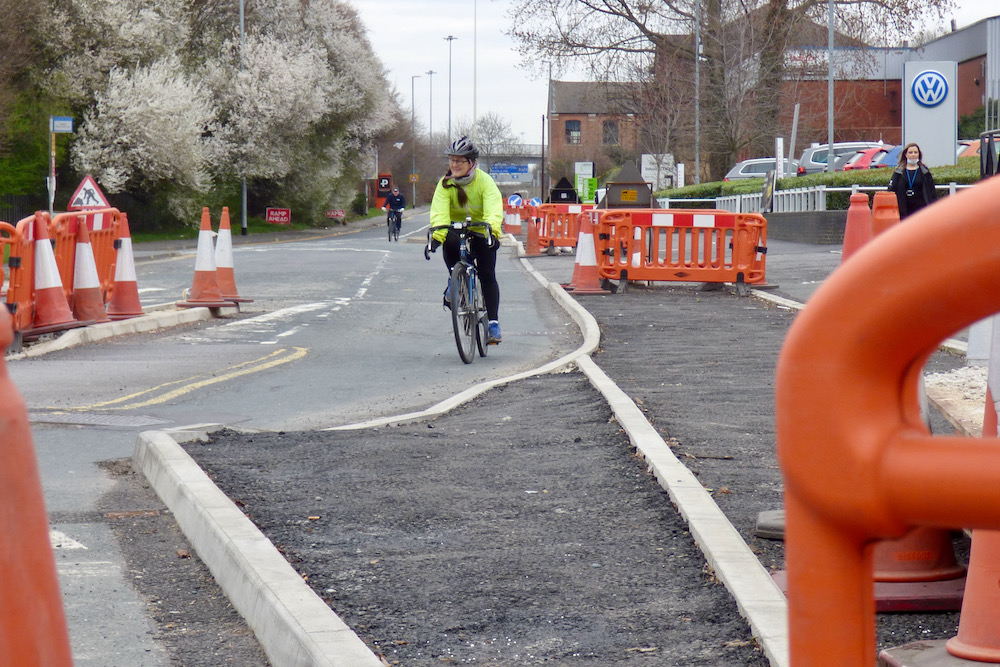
<point x="295" y="626"/>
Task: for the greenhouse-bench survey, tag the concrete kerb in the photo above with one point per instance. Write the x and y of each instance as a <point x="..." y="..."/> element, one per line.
<point x="256" y="583"/>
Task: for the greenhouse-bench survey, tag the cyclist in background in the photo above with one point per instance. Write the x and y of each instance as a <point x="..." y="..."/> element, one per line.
<point x="395" y="201"/>
<point x="467" y="190"/>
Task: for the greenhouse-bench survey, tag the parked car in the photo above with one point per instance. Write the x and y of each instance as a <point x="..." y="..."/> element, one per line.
<point x="890" y="159"/>
<point x="813" y="159"/>
<point x="758" y="168"/>
<point x="862" y="159"/>
<point x="973" y="148"/>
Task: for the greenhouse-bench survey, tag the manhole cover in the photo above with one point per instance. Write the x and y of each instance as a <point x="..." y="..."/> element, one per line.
<point x="94" y="419"/>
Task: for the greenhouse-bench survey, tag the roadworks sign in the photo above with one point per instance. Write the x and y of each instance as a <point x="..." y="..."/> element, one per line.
<point x="87" y="196"/>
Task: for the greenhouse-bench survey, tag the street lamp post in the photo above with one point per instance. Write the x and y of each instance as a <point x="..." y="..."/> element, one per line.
<point x="243" y="181"/>
<point x="430" y="111"/>
<point x="413" y="136"/>
<point x="450" y="39"/>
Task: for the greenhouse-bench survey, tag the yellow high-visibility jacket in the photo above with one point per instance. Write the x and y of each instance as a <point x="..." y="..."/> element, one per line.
<point x="485" y="205"/>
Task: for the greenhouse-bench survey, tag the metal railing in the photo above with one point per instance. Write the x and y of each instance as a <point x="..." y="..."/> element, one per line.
<point x="788" y="201"/>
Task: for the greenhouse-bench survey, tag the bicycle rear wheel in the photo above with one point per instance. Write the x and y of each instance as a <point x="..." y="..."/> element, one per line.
<point x="482" y="320"/>
<point x="390" y="226"/>
<point x="463" y="312"/>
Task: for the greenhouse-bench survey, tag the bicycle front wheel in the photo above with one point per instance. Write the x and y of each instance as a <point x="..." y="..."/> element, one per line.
<point x="482" y="319"/>
<point x="463" y="312"/>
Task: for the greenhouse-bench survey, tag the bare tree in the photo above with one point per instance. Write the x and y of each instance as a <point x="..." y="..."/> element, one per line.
<point x="744" y="44"/>
<point x="492" y="135"/>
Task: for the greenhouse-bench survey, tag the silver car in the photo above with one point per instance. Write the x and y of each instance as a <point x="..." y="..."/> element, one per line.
<point x="814" y="158"/>
<point x="758" y="168"/>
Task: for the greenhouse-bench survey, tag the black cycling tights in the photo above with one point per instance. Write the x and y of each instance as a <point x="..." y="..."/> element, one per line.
<point x="486" y="263"/>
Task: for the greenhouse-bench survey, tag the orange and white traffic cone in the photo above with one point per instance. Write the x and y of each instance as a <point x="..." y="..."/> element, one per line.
<point x="859" y="226"/>
<point x="124" y="302"/>
<point x="586" y="279"/>
<point x="885" y="212"/>
<point x="87" y="301"/>
<point x="531" y="244"/>
<point x="205" y="292"/>
<point x="51" y="308"/>
<point x="32" y="621"/>
<point x="224" y="260"/>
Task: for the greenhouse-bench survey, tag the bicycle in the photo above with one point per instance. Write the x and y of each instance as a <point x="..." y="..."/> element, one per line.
<point x="394" y="220"/>
<point x="468" y="307"/>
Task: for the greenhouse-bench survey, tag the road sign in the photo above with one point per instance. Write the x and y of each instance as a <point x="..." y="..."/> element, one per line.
<point x="514" y="200"/>
<point x="61" y="124"/>
<point x="414" y="178"/>
<point x="335" y="213"/>
<point x="536" y="201"/>
<point x="505" y="168"/>
<point x="87" y="196"/>
<point x="279" y="216"/>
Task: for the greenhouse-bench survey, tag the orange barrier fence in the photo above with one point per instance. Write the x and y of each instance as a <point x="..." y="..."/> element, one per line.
<point x="680" y="245"/>
<point x="63" y="230"/>
<point x="512" y="219"/>
<point x="559" y="224"/>
<point x="858" y="461"/>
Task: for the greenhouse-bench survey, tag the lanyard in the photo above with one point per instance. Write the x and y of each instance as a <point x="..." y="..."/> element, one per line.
<point x="911" y="179"/>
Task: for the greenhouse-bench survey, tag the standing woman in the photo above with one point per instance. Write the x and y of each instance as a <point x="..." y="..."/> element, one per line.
<point x="912" y="181"/>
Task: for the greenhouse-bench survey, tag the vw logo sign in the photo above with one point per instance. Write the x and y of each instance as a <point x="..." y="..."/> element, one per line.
<point x="929" y="88"/>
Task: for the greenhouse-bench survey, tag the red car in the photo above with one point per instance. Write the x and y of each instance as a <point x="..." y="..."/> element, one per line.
<point x="862" y="159"/>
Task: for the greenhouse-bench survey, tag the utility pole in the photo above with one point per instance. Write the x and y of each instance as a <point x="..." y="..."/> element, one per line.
<point x="430" y="112"/>
<point x="450" y="39"/>
<point x="413" y="136"/>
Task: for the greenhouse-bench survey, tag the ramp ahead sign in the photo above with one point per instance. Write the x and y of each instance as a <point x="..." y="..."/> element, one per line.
<point x="87" y="196"/>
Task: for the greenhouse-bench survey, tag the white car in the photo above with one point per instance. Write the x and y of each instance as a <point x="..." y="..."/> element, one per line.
<point x="758" y="168"/>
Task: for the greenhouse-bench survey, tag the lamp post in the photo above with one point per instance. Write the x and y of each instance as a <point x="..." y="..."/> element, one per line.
<point x="243" y="181"/>
<point x="450" y="39"/>
<point x="413" y="146"/>
<point x="430" y="111"/>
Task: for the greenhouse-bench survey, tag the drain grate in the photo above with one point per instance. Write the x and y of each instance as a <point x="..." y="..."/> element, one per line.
<point x="94" y="419"/>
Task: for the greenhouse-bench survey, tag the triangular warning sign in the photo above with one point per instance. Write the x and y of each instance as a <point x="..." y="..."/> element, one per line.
<point x="87" y="196"/>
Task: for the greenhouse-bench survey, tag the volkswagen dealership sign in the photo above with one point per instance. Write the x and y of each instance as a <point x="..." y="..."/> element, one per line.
<point x="930" y="109"/>
<point x="929" y="88"/>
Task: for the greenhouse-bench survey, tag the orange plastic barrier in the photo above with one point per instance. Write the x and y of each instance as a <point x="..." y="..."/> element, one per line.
<point x="560" y="225"/>
<point x="63" y="230"/>
<point x="680" y="245"/>
<point x="858" y="461"/>
<point x="512" y="219"/>
<point x="32" y="622"/>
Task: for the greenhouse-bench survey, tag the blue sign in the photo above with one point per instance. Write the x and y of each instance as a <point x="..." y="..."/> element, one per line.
<point x="929" y="88"/>
<point x="514" y="200"/>
<point x="61" y="124"/>
<point x="504" y="168"/>
<point x="536" y="201"/>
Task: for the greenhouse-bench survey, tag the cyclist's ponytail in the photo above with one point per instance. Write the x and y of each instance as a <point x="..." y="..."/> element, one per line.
<point x="463" y="197"/>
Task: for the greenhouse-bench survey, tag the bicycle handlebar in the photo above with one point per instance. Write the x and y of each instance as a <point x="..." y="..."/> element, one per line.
<point x="467" y="225"/>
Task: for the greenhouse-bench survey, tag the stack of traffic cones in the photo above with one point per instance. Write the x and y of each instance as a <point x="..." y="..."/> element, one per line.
<point x="859" y="226"/>
<point x="88" y="303"/>
<point x="124" y="302"/>
<point x="586" y="279"/>
<point x="32" y="621"/>
<point x="51" y="309"/>
<point x="205" y="291"/>
<point x="224" y="261"/>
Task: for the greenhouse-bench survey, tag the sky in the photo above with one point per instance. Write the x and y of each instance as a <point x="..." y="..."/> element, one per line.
<point x="409" y="38"/>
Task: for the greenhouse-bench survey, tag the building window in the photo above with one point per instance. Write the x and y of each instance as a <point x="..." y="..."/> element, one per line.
<point x="610" y="132"/>
<point x="573" y="133"/>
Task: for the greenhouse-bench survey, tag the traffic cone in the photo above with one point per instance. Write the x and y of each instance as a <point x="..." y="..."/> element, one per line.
<point x="531" y="247"/>
<point x="205" y="292"/>
<point x="586" y="279"/>
<point x="859" y="225"/>
<point x="885" y="212"/>
<point x="32" y="621"/>
<point x="88" y="303"/>
<point x="51" y="309"/>
<point x="637" y="248"/>
<point x="224" y="260"/>
<point x="124" y="302"/>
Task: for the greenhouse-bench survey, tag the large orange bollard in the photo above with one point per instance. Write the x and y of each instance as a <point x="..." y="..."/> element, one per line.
<point x="32" y="622"/>
<point x="124" y="302"/>
<point x="224" y="270"/>
<point x="885" y="212"/>
<point x="858" y="460"/>
<point x="858" y="230"/>
<point x="205" y="290"/>
<point x="531" y="244"/>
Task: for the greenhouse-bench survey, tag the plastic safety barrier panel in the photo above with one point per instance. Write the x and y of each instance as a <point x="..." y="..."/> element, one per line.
<point x="103" y="227"/>
<point x="559" y="224"/>
<point x="680" y="245"/>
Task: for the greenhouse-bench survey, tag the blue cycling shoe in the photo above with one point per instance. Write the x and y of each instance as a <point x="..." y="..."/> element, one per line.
<point x="493" y="337"/>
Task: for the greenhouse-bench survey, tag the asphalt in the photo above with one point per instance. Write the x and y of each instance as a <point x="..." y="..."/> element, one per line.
<point x="295" y="626"/>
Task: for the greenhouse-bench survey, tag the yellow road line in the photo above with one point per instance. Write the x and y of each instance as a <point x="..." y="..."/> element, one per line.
<point x="276" y="358"/>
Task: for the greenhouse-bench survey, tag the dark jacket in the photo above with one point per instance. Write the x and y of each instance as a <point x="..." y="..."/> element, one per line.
<point x="924" y="195"/>
<point x="395" y="202"/>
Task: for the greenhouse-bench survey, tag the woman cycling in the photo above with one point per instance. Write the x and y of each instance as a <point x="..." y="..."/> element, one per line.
<point x="467" y="190"/>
